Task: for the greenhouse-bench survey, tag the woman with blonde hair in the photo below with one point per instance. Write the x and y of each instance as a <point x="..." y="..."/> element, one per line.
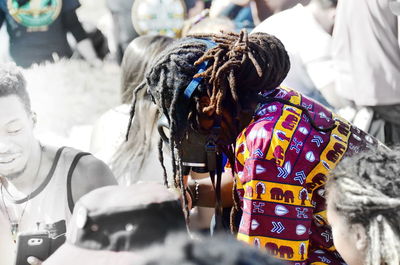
<point x="131" y="159"/>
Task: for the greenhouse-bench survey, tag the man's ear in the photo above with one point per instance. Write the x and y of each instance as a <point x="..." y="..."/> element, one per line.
<point x="360" y="235"/>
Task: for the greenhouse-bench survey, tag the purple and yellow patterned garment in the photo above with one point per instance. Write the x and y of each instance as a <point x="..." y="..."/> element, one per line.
<point x="282" y="164"/>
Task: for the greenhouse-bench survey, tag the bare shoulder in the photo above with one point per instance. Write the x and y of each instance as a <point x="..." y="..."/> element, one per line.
<point x="90" y="173"/>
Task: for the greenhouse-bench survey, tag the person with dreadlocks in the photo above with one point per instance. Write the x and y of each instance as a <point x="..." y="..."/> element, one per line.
<point x="220" y="94"/>
<point x="363" y="208"/>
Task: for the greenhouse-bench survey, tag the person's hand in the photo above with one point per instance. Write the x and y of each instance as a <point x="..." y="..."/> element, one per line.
<point x="34" y="261"/>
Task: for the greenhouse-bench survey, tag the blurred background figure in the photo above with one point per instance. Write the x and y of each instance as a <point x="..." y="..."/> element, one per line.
<point x="221" y="250"/>
<point x="248" y="13"/>
<point x="395" y="7"/>
<point x="111" y="225"/>
<point x="122" y="27"/>
<point x="306" y="33"/>
<point x="150" y="17"/>
<point x="157" y="17"/>
<point x="370" y="79"/>
<point x="137" y="158"/>
<point x="203" y="23"/>
<point x="363" y="208"/>
<point x="37" y="31"/>
<point x="239" y="12"/>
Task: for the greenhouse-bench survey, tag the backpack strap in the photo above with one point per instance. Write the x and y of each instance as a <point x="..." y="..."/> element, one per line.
<point x="75" y="161"/>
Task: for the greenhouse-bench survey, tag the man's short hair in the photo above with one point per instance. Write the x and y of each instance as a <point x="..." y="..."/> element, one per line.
<point x="12" y="82"/>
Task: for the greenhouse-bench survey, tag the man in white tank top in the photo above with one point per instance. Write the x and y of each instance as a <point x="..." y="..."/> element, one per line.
<point x="39" y="184"/>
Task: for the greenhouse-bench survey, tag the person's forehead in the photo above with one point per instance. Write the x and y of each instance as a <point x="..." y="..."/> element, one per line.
<point x="12" y="109"/>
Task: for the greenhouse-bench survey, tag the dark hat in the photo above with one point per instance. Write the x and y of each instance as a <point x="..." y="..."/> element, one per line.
<point x="119" y="219"/>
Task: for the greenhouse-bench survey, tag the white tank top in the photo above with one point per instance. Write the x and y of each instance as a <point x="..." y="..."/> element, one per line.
<point x="46" y="210"/>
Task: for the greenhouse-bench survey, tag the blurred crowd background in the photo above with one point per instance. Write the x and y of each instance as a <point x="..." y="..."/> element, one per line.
<point x="344" y="54"/>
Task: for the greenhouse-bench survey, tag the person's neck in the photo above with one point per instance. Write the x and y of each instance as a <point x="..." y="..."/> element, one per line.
<point x="25" y="183"/>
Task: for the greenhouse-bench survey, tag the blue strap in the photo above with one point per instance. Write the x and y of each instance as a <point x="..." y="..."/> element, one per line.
<point x="189" y="90"/>
<point x="209" y="43"/>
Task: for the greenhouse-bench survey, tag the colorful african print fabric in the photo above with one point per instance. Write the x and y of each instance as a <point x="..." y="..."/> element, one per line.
<point x="281" y="167"/>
